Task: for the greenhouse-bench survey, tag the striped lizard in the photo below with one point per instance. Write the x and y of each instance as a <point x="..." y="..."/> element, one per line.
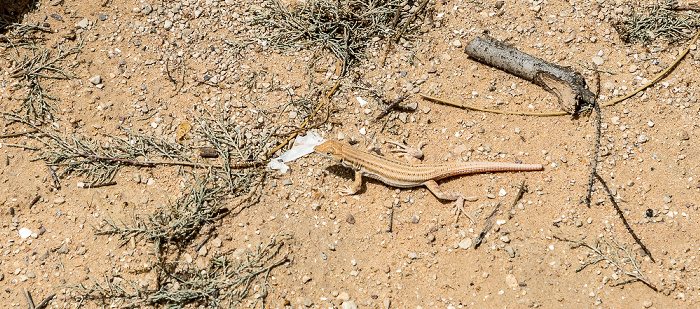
<point x="410" y="174"/>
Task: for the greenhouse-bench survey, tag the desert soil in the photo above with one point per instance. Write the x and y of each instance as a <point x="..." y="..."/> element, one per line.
<point x="338" y="246"/>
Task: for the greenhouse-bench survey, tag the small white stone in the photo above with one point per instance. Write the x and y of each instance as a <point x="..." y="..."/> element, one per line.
<point x="24" y="232"/>
<point x="465" y="243"/>
<point x="167" y="25"/>
<point x="500" y="222"/>
<point x="598" y="60"/>
<point x="84" y="23"/>
<point x="81" y="184"/>
<point x="95" y="79"/>
<point x="650" y="123"/>
<point x="457" y="43"/>
<point x="362" y="101"/>
<point x="363" y="131"/>
<point x="502" y="192"/>
<point x="150" y="181"/>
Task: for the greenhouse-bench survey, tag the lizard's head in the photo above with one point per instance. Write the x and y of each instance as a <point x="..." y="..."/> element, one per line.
<point x="331" y="149"/>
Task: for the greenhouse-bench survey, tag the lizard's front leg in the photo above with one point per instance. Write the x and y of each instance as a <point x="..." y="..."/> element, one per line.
<point x="355" y="187"/>
<point x="433" y="186"/>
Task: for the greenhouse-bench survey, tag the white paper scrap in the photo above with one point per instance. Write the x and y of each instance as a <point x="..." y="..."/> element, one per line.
<point x="303" y="145"/>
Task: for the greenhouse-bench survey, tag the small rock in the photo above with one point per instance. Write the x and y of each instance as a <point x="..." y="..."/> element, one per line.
<point x="415" y="219"/>
<point x="642" y="139"/>
<point x="287" y="182"/>
<point x="412" y="106"/>
<point x="348" y="305"/>
<point x="55" y="2"/>
<point x="59" y="200"/>
<point x="344" y="296"/>
<point x="598" y="60"/>
<point x="511" y="281"/>
<point x="167" y="25"/>
<point x="146" y="9"/>
<point x="684" y="135"/>
<point x="432" y="69"/>
<point x="102" y="17"/>
<point x="216" y="242"/>
<point x="465" y="243"/>
<point x="43" y="255"/>
<point x="84" y="23"/>
<point x="615" y="120"/>
<point x="412" y="255"/>
<point x="647" y="304"/>
<point x="667" y="199"/>
<point x="510" y="251"/>
<point x="62" y="250"/>
<point x="305" y="279"/>
<point x="354" y="273"/>
<point x="505" y="239"/>
<point x="150" y="181"/>
<point x="81" y="251"/>
<point x="350" y="219"/>
<point x="457" y="43"/>
<point x="24" y="233"/>
<point x="633" y="68"/>
<point x="308" y="302"/>
<point x="499" y="4"/>
<point x="95" y="79"/>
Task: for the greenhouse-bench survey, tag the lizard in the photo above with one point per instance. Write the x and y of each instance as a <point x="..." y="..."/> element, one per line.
<point x="410" y="174"/>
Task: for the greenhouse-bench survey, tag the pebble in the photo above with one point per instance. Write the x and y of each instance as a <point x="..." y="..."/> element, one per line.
<point x="412" y="106"/>
<point x="62" y="250"/>
<point x="305" y="279"/>
<point x="502" y="192"/>
<point x="510" y="251"/>
<point x="647" y="304"/>
<point x="412" y="255"/>
<point x="415" y="219"/>
<point x="598" y="60"/>
<point x="348" y="305"/>
<point x="344" y="296"/>
<point x="683" y="135"/>
<point x="465" y="243"/>
<point x="308" y="302"/>
<point x="457" y="43"/>
<point x="505" y="239"/>
<point x="642" y="139"/>
<point x="95" y="79"/>
<point x="43" y="255"/>
<point x="102" y="17"/>
<point x="84" y="23"/>
<point x="146" y="8"/>
<point x="81" y="251"/>
<point x="59" y="200"/>
<point x="24" y="232"/>
<point x="167" y="25"/>
<point x="667" y="200"/>
<point x="350" y="219"/>
<point x="511" y="281"/>
<point x="650" y="124"/>
<point x="615" y="120"/>
<point x="633" y="68"/>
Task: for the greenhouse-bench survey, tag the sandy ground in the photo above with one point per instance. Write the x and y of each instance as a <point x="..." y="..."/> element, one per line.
<point x="647" y="159"/>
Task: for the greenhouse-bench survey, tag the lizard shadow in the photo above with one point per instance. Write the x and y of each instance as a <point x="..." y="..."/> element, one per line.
<point x="349" y="175"/>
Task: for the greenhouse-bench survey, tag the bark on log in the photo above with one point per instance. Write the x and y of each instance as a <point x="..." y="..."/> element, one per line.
<point x="569" y="86"/>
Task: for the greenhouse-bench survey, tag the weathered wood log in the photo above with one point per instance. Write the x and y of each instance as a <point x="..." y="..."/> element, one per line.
<point x="569" y="86"/>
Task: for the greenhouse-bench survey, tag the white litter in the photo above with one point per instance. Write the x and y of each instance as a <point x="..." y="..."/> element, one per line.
<point x="303" y="145"/>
